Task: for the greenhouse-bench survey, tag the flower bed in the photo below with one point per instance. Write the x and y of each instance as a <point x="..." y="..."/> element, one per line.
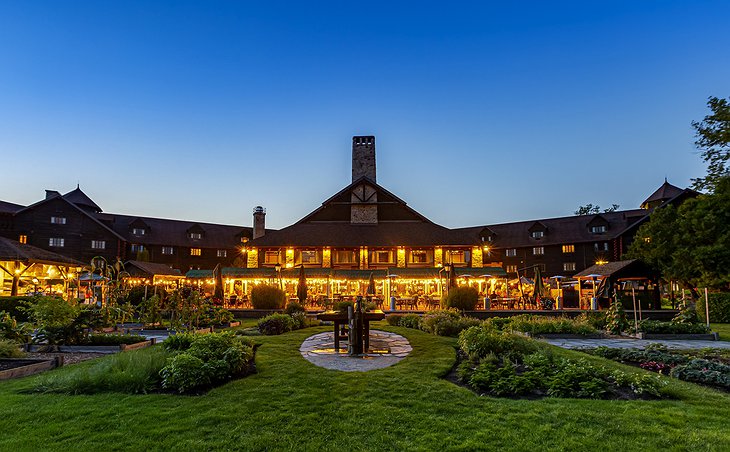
<point x="508" y="365"/>
<point x="563" y="327"/>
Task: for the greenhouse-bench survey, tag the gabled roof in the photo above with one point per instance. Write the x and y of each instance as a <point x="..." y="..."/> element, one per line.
<point x="9" y="207"/>
<point x="619" y="269"/>
<point x="665" y="192"/>
<point x="10" y="250"/>
<point x="152" y="268"/>
<point x="80" y="199"/>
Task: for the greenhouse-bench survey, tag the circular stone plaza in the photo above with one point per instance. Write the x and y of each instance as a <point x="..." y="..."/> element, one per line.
<point x="385" y="350"/>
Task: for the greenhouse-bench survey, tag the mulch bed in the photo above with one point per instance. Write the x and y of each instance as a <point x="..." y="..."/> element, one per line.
<point x="68" y="358"/>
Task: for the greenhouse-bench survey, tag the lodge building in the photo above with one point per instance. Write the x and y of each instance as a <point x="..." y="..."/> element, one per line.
<point x="362" y="229"/>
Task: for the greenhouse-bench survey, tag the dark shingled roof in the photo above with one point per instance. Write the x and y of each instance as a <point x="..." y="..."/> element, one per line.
<point x="9" y="207"/>
<point x="665" y="192"/>
<point x="573" y="229"/>
<point x="10" y="250"/>
<point x="79" y="198"/>
<point x="632" y="268"/>
<point x="152" y="268"/>
<point x="175" y="232"/>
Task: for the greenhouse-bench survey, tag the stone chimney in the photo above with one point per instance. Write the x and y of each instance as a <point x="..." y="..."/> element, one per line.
<point x="259" y="222"/>
<point x="52" y="194"/>
<point x="363" y="157"/>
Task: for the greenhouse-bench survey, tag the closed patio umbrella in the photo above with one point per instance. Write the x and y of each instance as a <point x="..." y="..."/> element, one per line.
<point x="302" y="286"/>
<point x="539" y="286"/>
<point x="371" y="286"/>
<point x="218" y="289"/>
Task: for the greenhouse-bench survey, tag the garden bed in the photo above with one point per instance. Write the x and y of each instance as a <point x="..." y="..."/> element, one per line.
<point x="678" y="337"/>
<point x="22" y="367"/>
<point x="32" y="348"/>
<point x="566" y="336"/>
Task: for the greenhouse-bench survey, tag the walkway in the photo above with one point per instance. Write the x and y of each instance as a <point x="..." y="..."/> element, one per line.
<point x="635" y="343"/>
<point x="386" y="349"/>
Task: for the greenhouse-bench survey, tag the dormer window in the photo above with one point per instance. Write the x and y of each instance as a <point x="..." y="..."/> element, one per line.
<point x="58" y="220"/>
<point x="598" y="229"/>
<point x="138" y="231"/>
<point x="195" y="235"/>
<point x="537" y="234"/>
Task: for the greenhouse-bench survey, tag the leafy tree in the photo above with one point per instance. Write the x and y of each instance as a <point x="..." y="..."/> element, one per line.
<point x="713" y="139"/>
<point x="590" y="209"/>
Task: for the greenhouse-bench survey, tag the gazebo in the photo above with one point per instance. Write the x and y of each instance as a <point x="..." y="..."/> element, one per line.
<point x="629" y="277"/>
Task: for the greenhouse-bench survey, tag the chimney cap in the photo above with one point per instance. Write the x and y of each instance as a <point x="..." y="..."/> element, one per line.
<point x="259" y="209"/>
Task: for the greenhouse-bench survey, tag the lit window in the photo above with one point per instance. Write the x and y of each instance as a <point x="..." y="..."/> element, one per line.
<point x="138" y="231"/>
<point x="98" y="244"/>
<point x="598" y="229"/>
<point x="195" y="251"/>
<point x="381" y="257"/>
<point x="167" y="250"/>
<point x="137" y="248"/>
<point x="309" y="257"/>
<point x="511" y="269"/>
<point x="421" y="256"/>
<point x="569" y="248"/>
<point x="23" y="238"/>
<point x="343" y="257"/>
<point x="511" y="252"/>
<point x="457" y="256"/>
<point x="195" y="235"/>
<point x="222" y="253"/>
<point x="59" y="242"/>
<point x="58" y="220"/>
<point x="603" y="246"/>
<point x="271" y="257"/>
<point x="538" y="250"/>
<point x="568" y="266"/>
<point x="538" y="234"/>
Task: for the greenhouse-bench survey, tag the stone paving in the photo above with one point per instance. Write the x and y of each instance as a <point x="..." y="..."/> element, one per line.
<point x="385" y="350"/>
<point x="635" y="343"/>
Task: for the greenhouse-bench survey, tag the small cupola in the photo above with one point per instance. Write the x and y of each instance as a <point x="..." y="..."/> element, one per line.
<point x="139" y="228"/>
<point x="598" y="224"/>
<point x="195" y="232"/>
<point x="537" y="230"/>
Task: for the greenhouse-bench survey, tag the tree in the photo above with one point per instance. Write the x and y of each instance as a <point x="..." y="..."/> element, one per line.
<point x="713" y="140"/>
<point x="590" y="209"/>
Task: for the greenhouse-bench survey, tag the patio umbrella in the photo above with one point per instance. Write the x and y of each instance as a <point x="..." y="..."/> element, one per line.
<point x="371" y="286"/>
<point x="539" y="286"/>
<point x="302" y="285"/>
<point x="218" y="289"/>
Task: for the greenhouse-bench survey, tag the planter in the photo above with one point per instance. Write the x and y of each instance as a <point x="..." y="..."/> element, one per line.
<point x="22" y="367"/>
<point x="227" y="325"/>
<point x="90" y="348"/>
<point x="566" y="336"/>
<point x="679" y="337"/>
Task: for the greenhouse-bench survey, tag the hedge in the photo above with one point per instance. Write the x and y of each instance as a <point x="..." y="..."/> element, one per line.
<point x="719" y="307"/>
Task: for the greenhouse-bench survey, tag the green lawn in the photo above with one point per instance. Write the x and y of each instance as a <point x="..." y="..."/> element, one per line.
<point x="723" y="329"/>
<point x="291" y="404"/>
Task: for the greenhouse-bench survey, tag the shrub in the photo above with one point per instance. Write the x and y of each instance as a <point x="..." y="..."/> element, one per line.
<point x="596" y="319"/>
<point x="10" y="349"/>
<point x="411" y="321"/>
<point x="657" y="327"/>
<point x="11" y="330"/>
<point x="179" y="341"/>
<point x="498" y="323"/>
<point x="15" y="306"/>
<point x="478" y="342"/>
<point x="704" y="371"/>
<point x="341" y="306"/>
<point x="461" y="298"/>
<point x="294" y="307"/>
<point x="267" y="297"/>
<point x="56" y="320"/>
<point x="299" y="320"/>
<point x="394" y="319"/>
<point x="113" y="339"/>
<point x="184" y="372"/>
<point x="550" y="325"/>
<point x="446" y="322"/>
<point x="719" y="307"/>
<point x="275" y="324"/>
<point x="616" y="318"/>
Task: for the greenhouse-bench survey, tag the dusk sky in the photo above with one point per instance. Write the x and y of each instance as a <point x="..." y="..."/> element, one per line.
<point x="483" y="112"/>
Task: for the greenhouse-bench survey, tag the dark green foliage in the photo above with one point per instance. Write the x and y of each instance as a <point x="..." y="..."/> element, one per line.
<point x="394" y="319"/>
<point x="479" y="341"/>
<point x="179" y="341"/>
<point x="275" y="324"/>
<point x="713" y="140"/>
<point x="657" y="327"/>
<point x="446" y="322"/>
<point x="267" y="297"/>
<point x="61" y="322"/>
<point x="10" y="329"/>
<point x="210" y="359"/>
<point x="113" y="339"/>
<point x="616" y="318"/>
<point x="341" y="306"/>
<point x="705" y="372"/>
<point x="14" y="306"/>
<point x="719" y="307"/>
<point x="550" y="325"/>
<point x="462" y="298"/>
<point x="596" y="319"/>
<point x="498" y="323"/>
<point x="637" y="356"/>
<point x="10" y="349"/>
<point x="411" y="321"/>
<point x="299" y="320"/>
<point x="293" y="307"/>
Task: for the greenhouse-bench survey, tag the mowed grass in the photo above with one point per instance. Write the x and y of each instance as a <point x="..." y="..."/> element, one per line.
<point x="723" y="329"/>
<point x="291" y="404"/>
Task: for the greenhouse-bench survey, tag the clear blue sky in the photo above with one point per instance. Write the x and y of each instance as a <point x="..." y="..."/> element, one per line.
<point x="484" y="112"/>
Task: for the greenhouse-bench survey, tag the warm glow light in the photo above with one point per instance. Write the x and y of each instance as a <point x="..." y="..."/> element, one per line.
<point x="601" y="262"/>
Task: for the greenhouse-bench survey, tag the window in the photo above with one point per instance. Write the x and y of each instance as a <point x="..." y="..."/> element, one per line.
<point x="568" y="248"/>
<point x="538" y="250"/>
<point x="537" y="234"/>
<point x="602" y="246"/>
<point x="568" y="266"/>
<point x="421" y="256"/>
<point x="195" y="235"/>
<point x="137" y="248"/>
<point x="98" y="244"/>
<point x="58" y="220"/>
<point x="23" y="238"/>
<point x="457" y="256"/>
<point x="195" y="251"/>
<point x="511" y="269"/>
<point x="511" y="252"/>
<point x="222" y="253"/>
<point x="381" y="257"/>
<point x="343" y="257"/>
<point x="598" y="229"/>
<point x="59" y="242"/>
<point x="309" y="257"/>
<point x="138" y="231"/>
<point x="167" y="250"/>
<point x="271" y="257"/>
